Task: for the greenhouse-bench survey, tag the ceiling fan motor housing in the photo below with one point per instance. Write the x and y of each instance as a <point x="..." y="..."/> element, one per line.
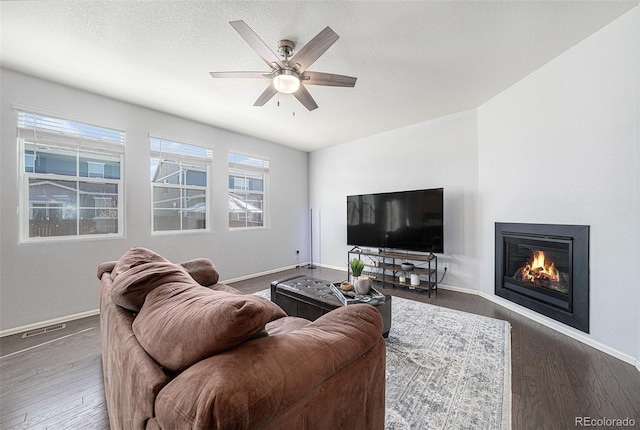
<point x="286" y="48"/>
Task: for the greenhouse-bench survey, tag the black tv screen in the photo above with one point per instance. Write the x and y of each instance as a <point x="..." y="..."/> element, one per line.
<point x="406" y="220"/>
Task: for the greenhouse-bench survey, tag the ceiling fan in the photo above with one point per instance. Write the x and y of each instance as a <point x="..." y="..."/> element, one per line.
<point x="289" y="72"/>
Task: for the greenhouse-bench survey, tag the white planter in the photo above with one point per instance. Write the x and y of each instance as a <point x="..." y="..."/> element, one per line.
<point x="362" y="284"/>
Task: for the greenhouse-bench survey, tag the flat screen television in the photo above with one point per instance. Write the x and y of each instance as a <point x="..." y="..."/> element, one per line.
<point x="406" y="220"/>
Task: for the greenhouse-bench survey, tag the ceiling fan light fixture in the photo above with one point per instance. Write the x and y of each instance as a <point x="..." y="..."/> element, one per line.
<point x="286" y="81"/>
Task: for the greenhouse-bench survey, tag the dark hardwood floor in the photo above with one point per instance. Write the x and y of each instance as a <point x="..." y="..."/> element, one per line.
<point x="54" y="380"/>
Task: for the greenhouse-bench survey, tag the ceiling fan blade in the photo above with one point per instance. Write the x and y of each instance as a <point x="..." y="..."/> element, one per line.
<point x="305" y="98"/>
<point x="310" y="52"/>
<point x="256" y="43"/>
<point x="266" y="95"/>
<point x="251" y="75"/>
<point x="328" y="79"/>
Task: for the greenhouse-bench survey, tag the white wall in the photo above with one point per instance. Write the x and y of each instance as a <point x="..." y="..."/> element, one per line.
<point x="439" y="153"/>
<point x="561" y="146"/>
<point x="39" y="282"/>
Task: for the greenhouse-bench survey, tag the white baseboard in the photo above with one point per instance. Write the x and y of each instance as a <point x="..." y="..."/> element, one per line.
<point x="458" y="289"/>
<point x="328" y="266"/>
<point x="269" y="272"/>
<point x="256" y="275"/>
<point x="495" y="299"/>
<point x="41" y="324"/>
<point x="547" y="322"/>
<point x="552" y="324"/>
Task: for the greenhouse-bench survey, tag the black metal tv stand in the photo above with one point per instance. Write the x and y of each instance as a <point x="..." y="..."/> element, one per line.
<point x="385" y="268"/>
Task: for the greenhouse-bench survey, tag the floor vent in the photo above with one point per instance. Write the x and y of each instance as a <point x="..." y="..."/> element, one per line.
<point x="43" y="330"/>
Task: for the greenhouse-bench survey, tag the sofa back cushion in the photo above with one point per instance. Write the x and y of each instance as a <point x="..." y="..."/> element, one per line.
<point x="130" y="288"/>
<point x="202" y="270"/>
<point x="138" y="272"/>
<point x="136" y="256"/>
<point x="180" y="325"/>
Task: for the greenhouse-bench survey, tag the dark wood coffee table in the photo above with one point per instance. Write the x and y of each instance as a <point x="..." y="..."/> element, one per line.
<point x="309" y="298"/>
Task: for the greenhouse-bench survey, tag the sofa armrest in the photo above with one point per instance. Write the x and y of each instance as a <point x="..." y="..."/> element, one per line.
<point x="131" y="377"/>
<point x="251" y="385"/>
<point x="106" y="267"/>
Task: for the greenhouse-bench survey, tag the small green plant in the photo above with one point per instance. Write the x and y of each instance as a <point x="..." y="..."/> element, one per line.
<point x="356" y="267"/>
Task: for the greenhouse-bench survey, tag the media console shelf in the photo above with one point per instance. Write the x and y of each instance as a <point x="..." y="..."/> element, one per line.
<point x="385" y="268"/>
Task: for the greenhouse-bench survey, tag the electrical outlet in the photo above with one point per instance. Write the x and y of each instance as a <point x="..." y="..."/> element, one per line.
<point x="445" y="266"/>
<point x="297" y="251"/>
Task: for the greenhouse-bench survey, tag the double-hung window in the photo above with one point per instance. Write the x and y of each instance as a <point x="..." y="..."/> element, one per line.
<point x="179" y="184"/>
<point x="247" y="191"/>
<point x="71" y="178"/>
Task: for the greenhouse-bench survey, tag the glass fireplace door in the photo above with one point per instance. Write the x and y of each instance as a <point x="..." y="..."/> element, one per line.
<point x="539" y="268"/>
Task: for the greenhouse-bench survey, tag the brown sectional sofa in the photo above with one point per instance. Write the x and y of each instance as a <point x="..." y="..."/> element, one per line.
<point x="181" y="351"/>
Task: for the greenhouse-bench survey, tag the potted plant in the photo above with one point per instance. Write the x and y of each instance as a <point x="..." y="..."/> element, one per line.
<point x="361" y="283"/>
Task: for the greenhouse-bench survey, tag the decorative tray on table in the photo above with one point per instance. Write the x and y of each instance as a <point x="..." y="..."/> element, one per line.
<point x="350" y="297"/>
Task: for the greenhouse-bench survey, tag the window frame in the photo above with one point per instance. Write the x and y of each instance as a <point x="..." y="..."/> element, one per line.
<point x="260" y="172"/>
<point x="183" y="160"/>
<point x="37" y="130"/>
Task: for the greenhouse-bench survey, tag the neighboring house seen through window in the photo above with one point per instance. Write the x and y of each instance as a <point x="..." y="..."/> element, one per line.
<point x="71" y="178"/>
<point x="247" y="189"/>
<point x="179" y="175"/>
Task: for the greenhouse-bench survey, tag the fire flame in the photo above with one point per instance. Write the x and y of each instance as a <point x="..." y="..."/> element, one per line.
<point x="539" y="269"/>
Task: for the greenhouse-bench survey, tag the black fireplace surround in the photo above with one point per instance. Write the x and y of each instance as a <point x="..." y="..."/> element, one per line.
<point x="545" y="267"/>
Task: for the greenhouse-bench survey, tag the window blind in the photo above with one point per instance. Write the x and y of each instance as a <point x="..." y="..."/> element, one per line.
<point x="167" y="149"/>
<point x="42" y="129"/>
<point x="244" y="163"/>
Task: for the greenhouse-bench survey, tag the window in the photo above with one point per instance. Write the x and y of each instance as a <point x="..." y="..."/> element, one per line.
<point x="71" y="178"/>
<point x="179" y="185"/>
<point x="247" y="188"/>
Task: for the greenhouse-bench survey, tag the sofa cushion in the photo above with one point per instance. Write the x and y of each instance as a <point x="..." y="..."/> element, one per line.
<point x="202" y="271"/>
<point x="135" y="257"/>
<point x="138" y="272"/>
<point x="179" y="325"/>
<point x="325" y="365"/>
<point x="285" y="325"/>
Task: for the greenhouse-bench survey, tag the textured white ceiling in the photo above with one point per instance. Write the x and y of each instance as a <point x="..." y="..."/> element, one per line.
<point x="414" y="61"/>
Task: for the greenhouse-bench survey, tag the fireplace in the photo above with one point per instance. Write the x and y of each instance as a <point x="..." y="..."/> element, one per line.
<point x="545" y="267"/>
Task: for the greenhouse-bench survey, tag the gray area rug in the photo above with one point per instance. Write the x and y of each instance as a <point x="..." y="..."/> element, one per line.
<point x="446" y="369"/>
